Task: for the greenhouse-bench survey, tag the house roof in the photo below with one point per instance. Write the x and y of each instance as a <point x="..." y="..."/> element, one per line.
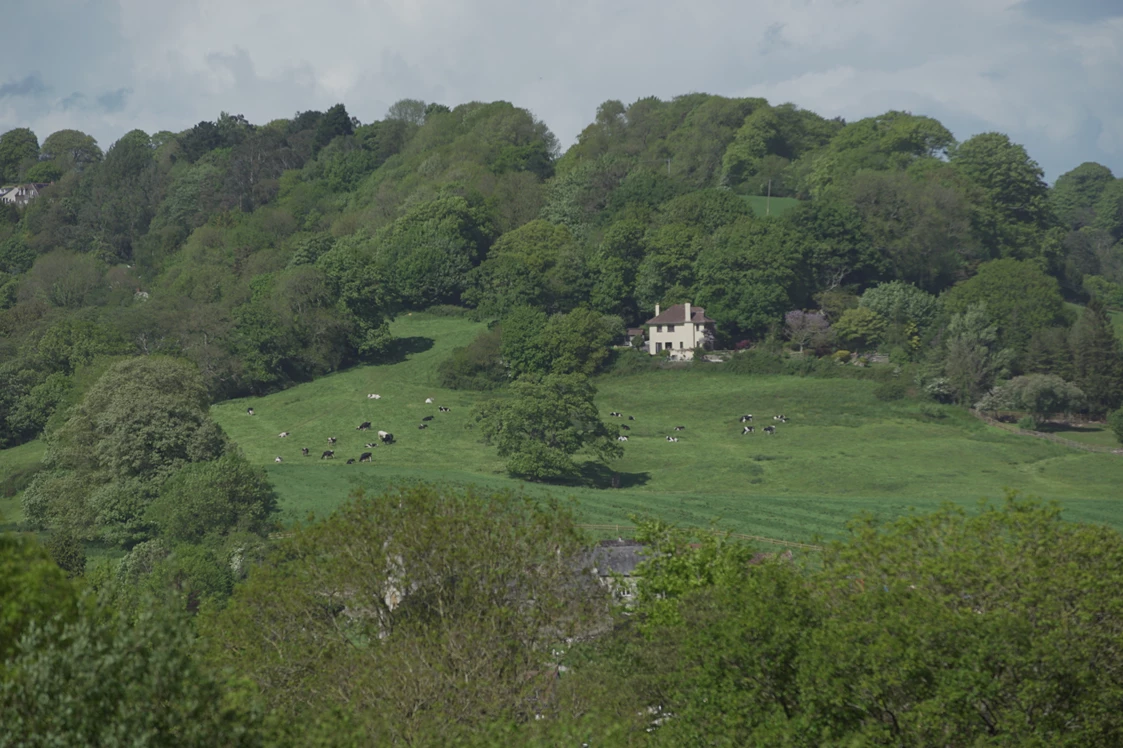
<point x="634" y="331"/>
<point x="677" y="315"/>
<point x="615" y="556"/>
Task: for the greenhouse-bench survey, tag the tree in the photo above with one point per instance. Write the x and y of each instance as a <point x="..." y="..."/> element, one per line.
<point x="430" y="611"/>
<point x="1075" y="193"/>
<point x="18" y="150"/>
<point x="216" y="497"/>
<point x="1039" y="395"/>
<point x="973" y="358"/>
<point x="1115" y="423"/>
<point x="410" y="111"/>
<point x="73" y="150"/>
<point x="1019" y="298"/>
<point x="524" y="349"/>
<point x="1014" y="210"/>
<point x="545" y="422"/>
<point x="807" y="328"/>
<point x="580" y="342"/>
<point x="900" y="303"/>
<point x="334" y="123"/>
<point x="1097" y="360"/>
<point x="861" y="328"/>
<point x="1109" y="210"/>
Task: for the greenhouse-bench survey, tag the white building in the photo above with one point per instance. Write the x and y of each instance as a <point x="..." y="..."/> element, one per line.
<point x="680" y="329"/>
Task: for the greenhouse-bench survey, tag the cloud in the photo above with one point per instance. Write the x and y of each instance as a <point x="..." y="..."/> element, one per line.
<point x="32" y="85"/>
<point x="1044" y="72"/>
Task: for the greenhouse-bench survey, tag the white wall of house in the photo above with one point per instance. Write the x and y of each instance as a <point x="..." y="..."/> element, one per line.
<point x="681" y="338"/>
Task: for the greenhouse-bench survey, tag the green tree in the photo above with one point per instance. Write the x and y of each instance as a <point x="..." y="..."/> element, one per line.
<point x="1075" y="193"/>
<point x="524" y="348"/>
<point x="861" y="328"/>
<point x="18" y="150"/>
<point x="580" y="342"/>
<point x="1019" y="297"/>
<point x="1039" y="395"/>
<point x="334" y="123"/>
<point x="33" y="590"/>
<point x="973" y="357"/>
<point x="429" y="611"/>
<point x="1097" y="360"/>
<point x="215" y="497"/>
<point x="900" y="303"/>
<point x="1109" y="210"/>
<point x="477" y="366"/>
<point x="544" y="423"/>
<point x="1115" y="423"/>
<point x="1014" y="210"/>
<point x="72" y="150"/>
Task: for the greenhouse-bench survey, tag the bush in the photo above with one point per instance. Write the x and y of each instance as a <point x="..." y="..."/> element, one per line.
<point x="889" y="391"/>
<point x="624" y="362"/>
<point x="1029" y="423"/>
<point x="841" y="356"/>
<point x="755" y="362"/>
<point x="477" y="366"/>
<point x="448" y="310"/>
<point x="932" y="411"/>
<point x="67" y="551"/>
<point x="1115" y="423"/>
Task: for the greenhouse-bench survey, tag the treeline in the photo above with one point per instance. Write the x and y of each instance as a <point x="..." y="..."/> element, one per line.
<point x="271" y="254"/>
<point x="436" y="616"/>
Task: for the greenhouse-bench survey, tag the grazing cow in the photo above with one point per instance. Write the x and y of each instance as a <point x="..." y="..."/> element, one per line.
<point x="249" y="411"/>
<point x="371" y="445"/>
<point x="614" y="414"/>
<point x="746" y="430"/>
<point x="364" y="426"/>
<point x="329" y="454"/>
<point x="386" y="437"/>
<point x="672" y="438"/>
<point x="304" y="451"/>
<point x="331" y="440"/>
<point x="781" y="419"/>
<point x="283" y="434"/>
<point x="428" y="401"/>
<point x="365" y="457"/>
<point x="443" y="409"/>
<point x="427" y="418"/>
<point x="351" y="461"/>
<point x="746" y="418"/>
<point x="631" y="418"/>
<point x="374" y="397"/>
<point x="277" y="459"/>
<point x="621" y="438"/>
<point x="680" y="428"/>
<point x="423" y="426"/>
<point x="770" y="430"/>
<point x="625" y="427"/>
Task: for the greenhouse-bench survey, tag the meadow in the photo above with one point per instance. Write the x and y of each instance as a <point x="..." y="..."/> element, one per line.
<point x="843" y="452"/>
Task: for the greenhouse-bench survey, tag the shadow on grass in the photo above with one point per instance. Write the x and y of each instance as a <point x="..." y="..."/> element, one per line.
<point x="1067" y="428"/>
<point x="402" y="348"/>
<point x="596" y="475"/>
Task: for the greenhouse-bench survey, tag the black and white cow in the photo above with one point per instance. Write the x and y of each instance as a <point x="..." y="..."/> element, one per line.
<point x="332" y="440"/>
<point x="365" y="457"/>
<point x="304" y="451"/>
<point x="428" y="401"/>
<point x="427" y="418"/>
<point x="423" y="426"/>
<point x="770" y="430"/>
<point x="747" y="418"/>
<point x="328" y="454"/>
<point x="371" y="445"/>
<point x="781" y="418"/>
<point x="614" y="414"/>
<point x="672" y="438"/>
<point x="277" y="459"/>
<point x="443" y="409"/>
<point x="374" y="397"/>
<point x="621" y="438"/>
<point x="680" y="428"/>
<point x="746" y="430"/>
<point x="386" y="437"/>
<point x="364" y="426"/>
<point x="283" y="434"/>
<point x="351" y="461"/>
<point x="631" y="418"/>
<point x="249" y="411"/>
<point x="625" y="427"/>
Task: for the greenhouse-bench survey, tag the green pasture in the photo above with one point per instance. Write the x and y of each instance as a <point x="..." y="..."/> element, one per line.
<point x="842" y="452"/>
<point x="17" y="465"/>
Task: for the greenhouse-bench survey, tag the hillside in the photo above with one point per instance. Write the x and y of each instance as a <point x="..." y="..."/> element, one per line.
<point x="843" y="451"/>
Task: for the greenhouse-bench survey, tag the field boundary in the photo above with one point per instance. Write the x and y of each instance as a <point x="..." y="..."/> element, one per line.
<point x="739" y="536"/>
<point x="1042" y="435"/>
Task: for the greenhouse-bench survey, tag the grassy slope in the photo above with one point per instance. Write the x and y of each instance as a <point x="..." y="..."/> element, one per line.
<point x="14" y="461"/>
<point x="842" y="453"/>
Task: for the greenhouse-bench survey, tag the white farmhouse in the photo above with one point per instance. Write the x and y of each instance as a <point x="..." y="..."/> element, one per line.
<point x="680" y="329"/>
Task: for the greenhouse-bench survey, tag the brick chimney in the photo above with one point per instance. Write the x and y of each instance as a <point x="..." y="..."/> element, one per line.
<point x="656" y="310"/>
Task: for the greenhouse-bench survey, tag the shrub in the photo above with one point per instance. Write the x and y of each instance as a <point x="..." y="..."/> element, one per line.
<point x="477" y="366"/>
<point x="1029" y="423"/>
<point x="1115" y="423"/>
<point x="755" y="362"/>
<point x="448" y="310"/>
<point x="888" y="391"/>
<point x="67" y="551"/>
<point x="932" y="411"/>
<point x="841" y="356"/>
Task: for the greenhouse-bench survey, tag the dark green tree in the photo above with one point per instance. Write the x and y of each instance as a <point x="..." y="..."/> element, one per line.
<point x="334" y="123"/>
<point x="1019" y="297"/>
<point x="18" y="150"/>
<point x="1075" y="193"/>
<point x="1097" y="360"/>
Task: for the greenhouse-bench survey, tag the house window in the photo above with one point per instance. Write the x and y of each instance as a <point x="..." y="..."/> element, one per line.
<point x="658" y="328"/>
<point x="670" y="328"/>
<point x="681" y="344"/>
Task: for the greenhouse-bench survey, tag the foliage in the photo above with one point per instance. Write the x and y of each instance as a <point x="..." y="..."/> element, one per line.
<point x="1115" y="423"/>
<point x="546" y="421"/>
<point x="429" y="610"/>
<point x="477" y="366"/>
<point x="900" y="303"/>
<point x="33" y="589"/>
<point x="1019" y="297"/>
<point x="1040" y="395"/>
<point x="1097" y="360"/>
<point x="1075" y="193"/>
<point x="807" y="328"/>
<point x="860" y="328"/>
<point x="66" y="550"/>
<point x="973" y="358"/>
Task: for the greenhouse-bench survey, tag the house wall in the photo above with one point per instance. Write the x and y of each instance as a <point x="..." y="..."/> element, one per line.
<point x="682" y="339"/>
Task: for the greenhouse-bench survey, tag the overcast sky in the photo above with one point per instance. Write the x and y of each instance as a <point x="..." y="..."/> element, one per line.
<point x="1047" y="72"/>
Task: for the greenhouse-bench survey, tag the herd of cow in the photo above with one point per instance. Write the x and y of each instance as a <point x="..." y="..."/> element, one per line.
<point x="745" y="419"/>
<point x="385" y="437"/>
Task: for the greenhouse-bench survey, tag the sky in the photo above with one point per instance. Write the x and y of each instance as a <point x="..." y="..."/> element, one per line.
<point x="1049" y="73"/>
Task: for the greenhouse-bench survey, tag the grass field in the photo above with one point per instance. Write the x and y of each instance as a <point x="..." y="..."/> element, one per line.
<point x="16" y="467"/>
<point x="843" y="451"/>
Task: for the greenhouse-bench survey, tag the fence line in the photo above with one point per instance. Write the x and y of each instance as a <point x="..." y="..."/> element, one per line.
<point x="740" y="536"/>
<point x="1042" y="435"/>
